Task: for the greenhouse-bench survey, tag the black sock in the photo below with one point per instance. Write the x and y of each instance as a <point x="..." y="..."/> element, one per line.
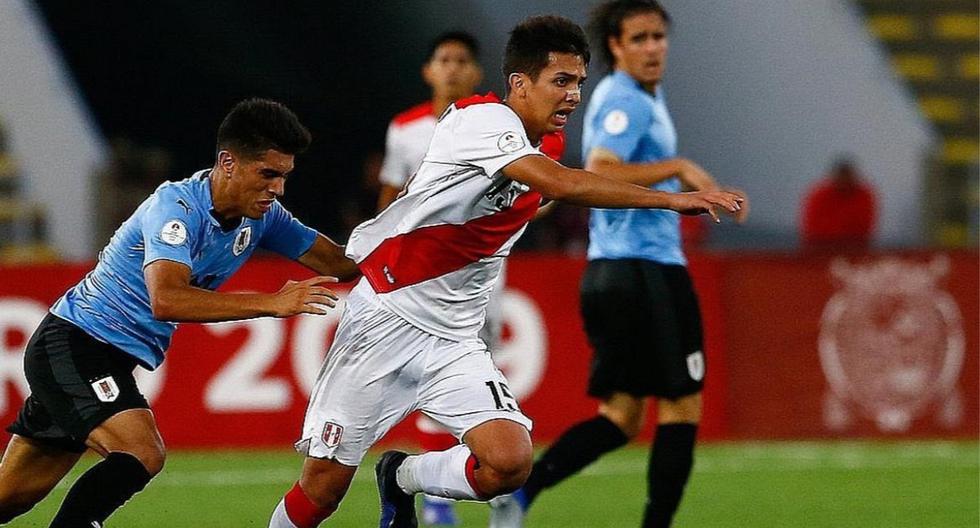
<point x="576" y="448"/>
<point x="101" y="490"/>
<point x="671" y="458"/>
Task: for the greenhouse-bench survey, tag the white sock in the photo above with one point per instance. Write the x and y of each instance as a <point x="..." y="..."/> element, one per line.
<point x="439" y="473"/>
<point x="279" y="518"/>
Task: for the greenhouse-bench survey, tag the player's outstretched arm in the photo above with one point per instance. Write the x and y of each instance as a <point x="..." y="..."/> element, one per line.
<point x="326" y="257"/>
<point x="173" y="298"/>
<point x="607" y="163"/>
<point x="579" y="187"/>
<point x="692" y="176"/>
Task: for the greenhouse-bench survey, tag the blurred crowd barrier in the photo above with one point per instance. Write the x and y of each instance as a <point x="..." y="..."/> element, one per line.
<point x="799" y="346"/>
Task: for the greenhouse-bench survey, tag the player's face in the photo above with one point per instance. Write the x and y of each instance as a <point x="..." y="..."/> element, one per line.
<point x="555" y="94"/>
<point x="452" y="72"/>
<point x="641" y="48"/>
<point x="256" y="184"/>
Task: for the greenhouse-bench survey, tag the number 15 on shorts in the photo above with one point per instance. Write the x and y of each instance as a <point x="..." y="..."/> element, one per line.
<point x="502" y="396"/>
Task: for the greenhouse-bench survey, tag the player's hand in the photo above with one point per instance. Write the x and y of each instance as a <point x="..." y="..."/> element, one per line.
<point x="706" y="202"/>
<point x="308" y="296"/>
<point x="743" y="213"/>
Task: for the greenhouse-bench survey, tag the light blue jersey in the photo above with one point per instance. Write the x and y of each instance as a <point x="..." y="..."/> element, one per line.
<point x="175" y="223"/>
<point x="627" y="120"/>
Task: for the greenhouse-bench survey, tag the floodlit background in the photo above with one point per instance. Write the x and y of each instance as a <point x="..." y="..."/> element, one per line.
<point x="842" y="381"/>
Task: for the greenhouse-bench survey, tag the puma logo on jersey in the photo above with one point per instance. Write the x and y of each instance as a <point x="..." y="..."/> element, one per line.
<point x="388" y="275"/>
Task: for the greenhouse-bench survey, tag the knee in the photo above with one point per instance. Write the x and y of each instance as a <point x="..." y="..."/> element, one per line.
<point x="153" y="458"/>
<point x="625" y="412"/>
<point x="629" y="421"/>
<point x="686" y="409"/>
<point x="508" y="469"/>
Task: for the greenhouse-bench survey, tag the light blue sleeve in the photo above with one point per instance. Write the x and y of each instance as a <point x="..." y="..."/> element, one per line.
<point x="284" y="234"/>
<point x="620" y="125"/>
<point x="169" y="228"/>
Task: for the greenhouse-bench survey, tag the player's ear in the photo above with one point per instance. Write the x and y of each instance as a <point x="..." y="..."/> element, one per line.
<point x="477" y="75"/>
<point x="427" y="74"/>
<point x="226" y="161"/>
<point x="614" y="47"/>
<point x="517" y="82"/>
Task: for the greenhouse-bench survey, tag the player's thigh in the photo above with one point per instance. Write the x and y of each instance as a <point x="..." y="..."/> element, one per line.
<point x="30" y="469"/>
<point x="461" y="389"/>
<point x="367" y="385"/>
<point x="681" y="360"/>
<point x="630" y="323"/>
<point x="77" y="384"/>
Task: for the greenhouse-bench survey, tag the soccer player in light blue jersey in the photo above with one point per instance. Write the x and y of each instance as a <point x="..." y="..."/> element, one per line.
<point x="160" y="268"/>
<point x="638" y="304"/>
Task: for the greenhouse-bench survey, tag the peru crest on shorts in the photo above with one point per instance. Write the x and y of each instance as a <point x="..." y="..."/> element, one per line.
<point x="332" y="433"/>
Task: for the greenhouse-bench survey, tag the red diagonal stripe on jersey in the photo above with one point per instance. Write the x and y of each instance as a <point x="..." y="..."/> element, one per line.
<point x="433" y="251"/>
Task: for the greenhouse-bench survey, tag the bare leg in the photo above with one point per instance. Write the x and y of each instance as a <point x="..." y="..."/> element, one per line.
<point x="28" y="472"/>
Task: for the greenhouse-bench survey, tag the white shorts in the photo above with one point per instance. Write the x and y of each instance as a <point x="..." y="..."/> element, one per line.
<point x="380" y="369"/>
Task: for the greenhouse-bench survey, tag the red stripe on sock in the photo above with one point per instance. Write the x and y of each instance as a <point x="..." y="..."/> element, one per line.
<point x="302" y="511"/>
<point x="471" y="464"/>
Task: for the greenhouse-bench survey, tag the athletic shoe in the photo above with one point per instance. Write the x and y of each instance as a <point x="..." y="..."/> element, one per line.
<point x="397" y="507"/>
<point x="437" y="511"/>
<point x="508" y="511"/>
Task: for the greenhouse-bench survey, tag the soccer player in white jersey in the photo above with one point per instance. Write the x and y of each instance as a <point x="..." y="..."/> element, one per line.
<point x="452" y="71"/>
<point x="408" y="337"/>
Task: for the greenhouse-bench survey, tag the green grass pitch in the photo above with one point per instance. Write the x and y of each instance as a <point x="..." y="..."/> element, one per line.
<point x="734" y="485"/>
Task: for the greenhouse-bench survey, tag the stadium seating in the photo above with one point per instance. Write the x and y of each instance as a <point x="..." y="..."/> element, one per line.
<point x="22" y="223"/>
<point x="933" y="46"/>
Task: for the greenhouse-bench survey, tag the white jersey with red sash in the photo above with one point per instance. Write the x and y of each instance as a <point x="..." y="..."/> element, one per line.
<point x="434" y="254"/>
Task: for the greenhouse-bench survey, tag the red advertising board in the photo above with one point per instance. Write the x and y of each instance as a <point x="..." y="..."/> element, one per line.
<point x="798" y="346"/>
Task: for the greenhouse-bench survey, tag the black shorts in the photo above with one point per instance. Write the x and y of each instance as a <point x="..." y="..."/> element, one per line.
<point x="644" y="324"/>
<point x="77" y="382"/>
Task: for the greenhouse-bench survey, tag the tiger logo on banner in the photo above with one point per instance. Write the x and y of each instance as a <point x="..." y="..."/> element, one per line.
<point x="891" y="344"/>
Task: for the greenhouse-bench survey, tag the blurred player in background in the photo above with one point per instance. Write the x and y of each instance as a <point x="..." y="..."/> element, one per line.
<point x="638" y="304"/>
<point x="159" y="268"/>
<point x="452" y="71"/>
<point x="408" y="339"/>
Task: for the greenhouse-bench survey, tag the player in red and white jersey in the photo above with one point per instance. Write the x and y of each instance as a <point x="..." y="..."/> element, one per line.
<point x="408" y="337"/>
<point x="452" y="72"/>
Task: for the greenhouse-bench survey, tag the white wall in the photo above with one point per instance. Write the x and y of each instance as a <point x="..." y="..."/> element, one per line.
<point x="51" y="134"/>
<point x="766" y="92"/>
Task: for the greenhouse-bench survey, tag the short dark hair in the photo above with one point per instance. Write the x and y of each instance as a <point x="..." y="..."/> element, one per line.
<point x="607" y="18"/>
<point x="256" y="125"/>
<point x="464" y="38"/>
<point x="534" y="38"/>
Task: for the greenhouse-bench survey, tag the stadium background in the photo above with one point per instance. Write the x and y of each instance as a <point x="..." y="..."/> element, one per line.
<point x="99" y="102"/>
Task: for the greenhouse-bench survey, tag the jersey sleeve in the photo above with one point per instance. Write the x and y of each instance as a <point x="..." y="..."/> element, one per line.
<point x="284" y="234"/>
<point x="490" y="136"/>
<point x="169" y="228"/>
<point x="619" y="125"/>
<point x="394" y="168"/>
